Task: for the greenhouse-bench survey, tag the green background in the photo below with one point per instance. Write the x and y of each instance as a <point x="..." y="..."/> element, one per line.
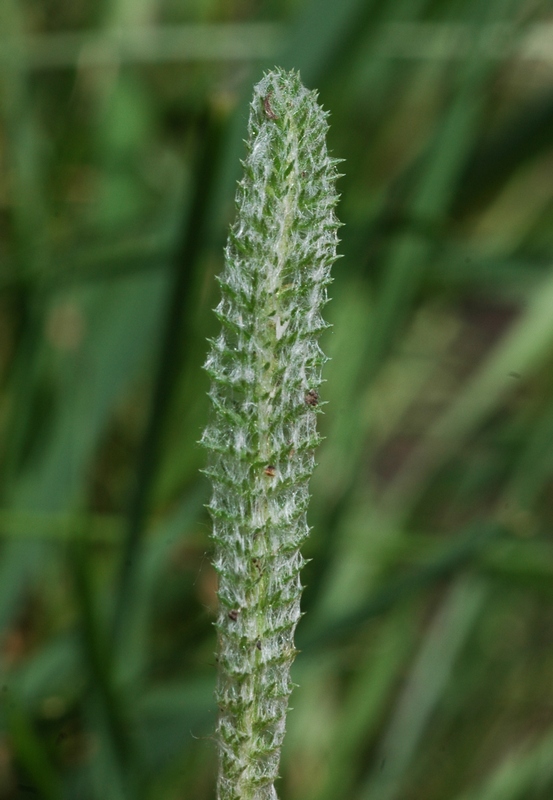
<point x="426" y="660"/>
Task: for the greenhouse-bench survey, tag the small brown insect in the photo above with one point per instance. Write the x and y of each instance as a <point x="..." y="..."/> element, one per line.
<point x="270" y="471"/>
<point x="258" y="644"/>
<point x="267" y="106"/>
<point x="257" y="563"/>
<point x="233" y="614"/>
<point x="312" y="398"/>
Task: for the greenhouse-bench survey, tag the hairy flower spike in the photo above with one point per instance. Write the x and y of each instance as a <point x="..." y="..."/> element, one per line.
<point x="266" y="372"/>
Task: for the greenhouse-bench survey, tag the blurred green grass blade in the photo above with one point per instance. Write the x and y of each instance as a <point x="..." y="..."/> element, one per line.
<point x="410" y="252"/>
<point x="319" y="32"/>
<point x="424" y="687"/>
<point x="30" y="751"/>
<point x="535" y="464"/>
<point x="358" y="537"/>
<point x="524" y="564"/>
<point x="523" y="349"/>
<point x="120" y="326"/>
<point x="102" y="775"/>
<point x="114" y="258"/>
<point x="28" y="220"/>
<point x="58" y="528"/>
<point x="523" y="774"/>
<point x="455" y="556"/>
<point x="128" y="254"/>
<point x="467" y="268"/>
<point x="350" y="315"/>
<point x="23" y="384"/>
<point x="373" y="74"/>
<point x="131" y="42"/>
<point x="54" y="671"/>
<point x="171" y="716"/>
<point x="124" y="126"/>
<point x="368" y="695"/>
<point x="106" y="701"/>
<point x="176" y="333"/>
<point x="521" y="139"/>
<point x="22" y="141"/>
<point x="133" y="653"/>
<point x="143" y="43"/>
<point x="20" y="564"/>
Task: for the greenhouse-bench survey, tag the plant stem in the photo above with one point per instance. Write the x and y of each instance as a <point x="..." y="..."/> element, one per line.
<point x="266" y="371"/>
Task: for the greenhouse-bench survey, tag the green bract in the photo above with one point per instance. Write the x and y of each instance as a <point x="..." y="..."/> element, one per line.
<point x="266" y="370"/>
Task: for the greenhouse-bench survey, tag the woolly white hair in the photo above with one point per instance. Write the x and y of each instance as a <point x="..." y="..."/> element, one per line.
<point x="263" y="431"/>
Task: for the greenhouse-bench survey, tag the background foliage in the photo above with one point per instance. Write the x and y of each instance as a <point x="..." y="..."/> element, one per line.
<point x="427" y="645"/>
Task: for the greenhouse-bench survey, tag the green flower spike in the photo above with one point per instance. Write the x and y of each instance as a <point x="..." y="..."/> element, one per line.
<point x="265" y="368"/>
